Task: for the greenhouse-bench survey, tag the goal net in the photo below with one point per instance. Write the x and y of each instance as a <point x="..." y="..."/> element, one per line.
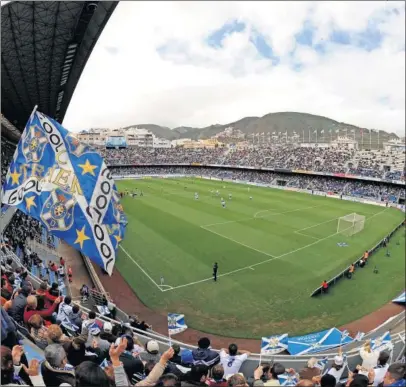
<point x="350" y="224"/>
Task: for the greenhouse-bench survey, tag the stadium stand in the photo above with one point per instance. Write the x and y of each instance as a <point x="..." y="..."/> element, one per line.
<point x="82" y="330"/>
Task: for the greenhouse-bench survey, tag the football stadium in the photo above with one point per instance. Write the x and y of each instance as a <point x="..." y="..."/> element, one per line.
<point x="263" y="251"/>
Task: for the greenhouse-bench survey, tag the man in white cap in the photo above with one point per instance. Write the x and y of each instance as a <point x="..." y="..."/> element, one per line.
<point x="107" y="333"/>
<point x="95" y="341"/>
<point x="337" y="368"/>
<point x="152" y="351"/>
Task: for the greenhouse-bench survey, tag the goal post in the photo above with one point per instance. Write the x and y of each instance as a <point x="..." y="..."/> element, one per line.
<point x="350" y="224"/>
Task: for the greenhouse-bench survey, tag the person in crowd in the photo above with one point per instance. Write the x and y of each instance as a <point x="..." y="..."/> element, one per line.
<point x="138" y="324"/>
<point x="395" y="375"/>
<point x="204" y="355"/>
<point x="267" y="375"/>
<point x="40" y="293"/>
<point x="310" y="371"/>
<point x="133" y="366"/>
<point x="18" y="304"/>
<point x="38" y="330"/>
<point x="84" y="292"/>
<point x="151" y="352"/>
<point x="232" y="359"/>
<point x="368" y="355"/>
<point x="351" y="271"/>
<point x="237" y="380"/>
<point x="95" y="341"/>
<point x="55" y="335"/>
<point x="381" y="367"/>
<point x="61" y="272"/>
<point x="176" y="358"/>
<point x="169" y="380"/>
<point x="31" y="309"/>
<point x="87" y="324"/>
<point x="53" y="293"/>
<point x="61" y="261"/>
<point x="337" y="368"/>
<point x="15" y="373"/>
<point x="197" y="376"/>
<point x="5" y="292"/>
<point x="324" y="287"/>
<point x="107" y="333"/>
<point x="65" y="309"/>
<point x="8" y="330"/>
<point x="76" y="317"/>
<point x="55" y="369"/>
<point x="216" y="378"/>
<point x="70" y="274"/>
<point x="327" y="380"/>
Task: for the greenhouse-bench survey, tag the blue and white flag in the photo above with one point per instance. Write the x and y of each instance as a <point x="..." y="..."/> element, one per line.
<point x="176" y="323"/>
<point x="344" y="334"/>
<point x="359" y="336"/>
<point x="274" y="344"/>
<point x="288" y="379"/>
<point x="382" y="342"/>
<point x="317" y="342"/>
<point x="66" y="185"/>
<point x="401" y="299"/>
<point x="321" y="363"/>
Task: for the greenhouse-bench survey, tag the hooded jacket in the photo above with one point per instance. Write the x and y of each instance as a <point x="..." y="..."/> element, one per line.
<point x="205" y="356"/>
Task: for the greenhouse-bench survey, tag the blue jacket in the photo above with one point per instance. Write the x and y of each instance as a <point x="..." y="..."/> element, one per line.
<point x="205" y="356"/>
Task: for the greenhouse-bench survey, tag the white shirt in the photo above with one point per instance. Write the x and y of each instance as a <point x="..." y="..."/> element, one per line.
<point x="65" y="311"/>
<point x="231" y="364"/>
<point x="61" y="271"/>
<point x="369" y="359"/>
<point x="336" y="373"/>
<point x="380" y="374"/>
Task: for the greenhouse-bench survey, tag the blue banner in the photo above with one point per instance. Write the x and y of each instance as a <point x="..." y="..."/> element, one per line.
<point x="66" y="185"/>
<point x="382" y="342"/>
<point x="176" y="323"/>
<point x="317" y="342"/>
<point x="400" y="299"/>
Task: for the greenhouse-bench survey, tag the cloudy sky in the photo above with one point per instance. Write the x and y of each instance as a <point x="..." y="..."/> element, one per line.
<point x="201" y="63"/>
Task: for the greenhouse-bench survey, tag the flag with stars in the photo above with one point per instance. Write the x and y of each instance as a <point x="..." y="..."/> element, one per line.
<point x="66" y="185"/>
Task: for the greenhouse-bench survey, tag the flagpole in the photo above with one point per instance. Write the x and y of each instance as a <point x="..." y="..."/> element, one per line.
<point x="370" y="138"/>
<point x="378" y="138"/>
<point x="362" y="138"/>
<point x="303" y="135"/>
<point x="316" y="136"/>
<point x="309" y="135"/>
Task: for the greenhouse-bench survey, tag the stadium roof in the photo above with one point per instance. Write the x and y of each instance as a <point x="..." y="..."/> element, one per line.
<point x="44" y="49"/>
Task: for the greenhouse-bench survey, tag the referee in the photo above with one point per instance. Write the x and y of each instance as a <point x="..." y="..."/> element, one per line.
<point x="215" y="268"/>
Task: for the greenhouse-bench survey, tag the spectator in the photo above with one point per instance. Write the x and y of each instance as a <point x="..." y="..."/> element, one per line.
<point x="53" y="293"/>
<point x="90" y="374"/>
<point x="381" y="368"/>
<point x="14" y="373"/>
<point x="368" y="355"/>
<point x="95" y="341"/>
<point x="61" y="261"/>
<point x="107" y="333"/>
<point x="38" y="331"/>
<point x="65" y="309"/>
<point x="197" y="376"/>
<point x="56" y="370"/>
<point x="204" y="355"/>
<point x="395" y="375"/>
<point x="328" y="380"/>
<point x="70" y="274"/>
<point x="324" y="286"/>
<point x="90" y="322"/>
<point x="40" y="293"/>
<point x="18" y="304"/>
<point x="31" y="309"/>
<point x="337" y="368"/>
<point x="76" y="317"/>
<point x="55" y="335"/>
<point x="151" y="352"/>
<point x="268" y="376"/>
<point x="169" y="380"/>
<point x="217" y="377"/>
<point x="5" y="292"/>
<point x="133" y="366"/>
<point x="61" y="272"/>
<point x="8" y="330"/>
<point x="311" y="370"/>
<point x="237" y="380"/>
<point x="176" y="358"/>
<point x="84" y="292"/>
<point x="231" y="360"/>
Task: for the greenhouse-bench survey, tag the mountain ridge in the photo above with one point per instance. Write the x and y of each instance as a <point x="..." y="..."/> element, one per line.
<point x="272" y="122"/>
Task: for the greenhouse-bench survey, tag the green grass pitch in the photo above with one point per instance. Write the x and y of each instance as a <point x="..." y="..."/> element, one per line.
<point x="272" y="252"/>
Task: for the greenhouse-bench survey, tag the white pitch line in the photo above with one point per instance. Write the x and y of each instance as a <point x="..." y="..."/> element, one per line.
<point x="129" y="256"/>
<point x="262" y="262"/>
<point x="288" y="212"/>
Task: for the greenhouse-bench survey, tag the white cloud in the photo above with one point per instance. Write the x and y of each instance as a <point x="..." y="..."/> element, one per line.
<point x="126" y="80"/>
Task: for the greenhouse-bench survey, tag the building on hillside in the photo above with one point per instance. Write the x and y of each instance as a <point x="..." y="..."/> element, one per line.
<point x="92" y="137"/>
<point x="344" y="142"/>
<point x="161" y="143"/>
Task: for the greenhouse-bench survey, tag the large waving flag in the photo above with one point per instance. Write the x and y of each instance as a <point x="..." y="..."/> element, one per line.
<point x="66" y="185"/>
<point x="176" y="323"/>
<point x="287" y="379"/>
<point x="274" y="344"/>
<point x="317" y="342"/>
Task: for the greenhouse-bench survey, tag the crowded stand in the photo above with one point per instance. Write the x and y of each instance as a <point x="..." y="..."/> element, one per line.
<point x="376" y="164"/>
<point x="79" y="348"/>
<point x="371" y="190"/>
